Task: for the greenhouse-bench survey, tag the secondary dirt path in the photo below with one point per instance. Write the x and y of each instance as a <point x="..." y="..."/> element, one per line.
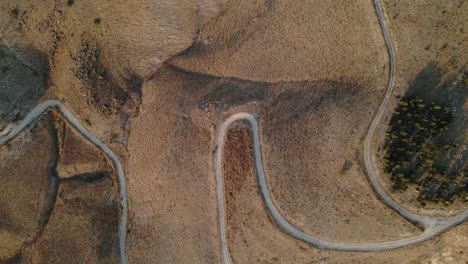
<point x="432" y="226"/>
<point x="43" y="107"/>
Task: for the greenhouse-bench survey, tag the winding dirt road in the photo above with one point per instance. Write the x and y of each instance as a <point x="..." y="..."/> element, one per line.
<point x="432" y="226"/>
<point x="43" y="107"/>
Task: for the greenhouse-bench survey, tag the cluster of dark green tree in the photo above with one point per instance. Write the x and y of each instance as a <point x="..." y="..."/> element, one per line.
<point x="416" y="152"/>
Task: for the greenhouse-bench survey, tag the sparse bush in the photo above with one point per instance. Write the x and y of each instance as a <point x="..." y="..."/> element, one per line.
<point x="347" y="165"/>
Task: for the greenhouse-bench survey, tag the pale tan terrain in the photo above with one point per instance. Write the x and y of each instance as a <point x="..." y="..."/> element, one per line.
<point x="98" y="53"/>
<point x="23" y="187"/>
<point x="290" y="41"/>
<point x="154" y="79"/>
<point x="171" y="189"/>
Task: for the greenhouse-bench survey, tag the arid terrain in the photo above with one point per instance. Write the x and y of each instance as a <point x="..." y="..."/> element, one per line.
<point x="431" y="52"/>
<point x="150" y="83"/>
<point x="254" y="238"/>
<point x="58" y="198"/>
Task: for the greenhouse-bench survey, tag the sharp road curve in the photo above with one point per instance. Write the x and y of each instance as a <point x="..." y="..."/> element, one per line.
<point x="432" y="225"/>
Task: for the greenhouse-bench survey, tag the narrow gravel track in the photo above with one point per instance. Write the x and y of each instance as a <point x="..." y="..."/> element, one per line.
<point x="432" y="226"/>
<point x="43" y="107"/>
<point x="425" y="222"/>
<point x="368" y="157"/>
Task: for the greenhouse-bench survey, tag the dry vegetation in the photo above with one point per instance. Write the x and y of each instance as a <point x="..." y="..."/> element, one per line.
<point x="23" y="187"/>
<point x="312" y="72"/>
<point x="253" y="238"/>
<point x="431" y="63"/>
<point x="309" y="132"/>
<point x="422" y="149"/>
<point x="273" y="41"/>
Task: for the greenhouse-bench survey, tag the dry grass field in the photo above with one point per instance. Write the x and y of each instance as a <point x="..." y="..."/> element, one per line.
<point x="254" y="238"/>
<point x="23" y="189"/>
<point x="154" y="79"/>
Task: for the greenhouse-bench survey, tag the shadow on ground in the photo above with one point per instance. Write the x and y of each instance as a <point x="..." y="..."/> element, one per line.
<point x="24" y="78"/>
